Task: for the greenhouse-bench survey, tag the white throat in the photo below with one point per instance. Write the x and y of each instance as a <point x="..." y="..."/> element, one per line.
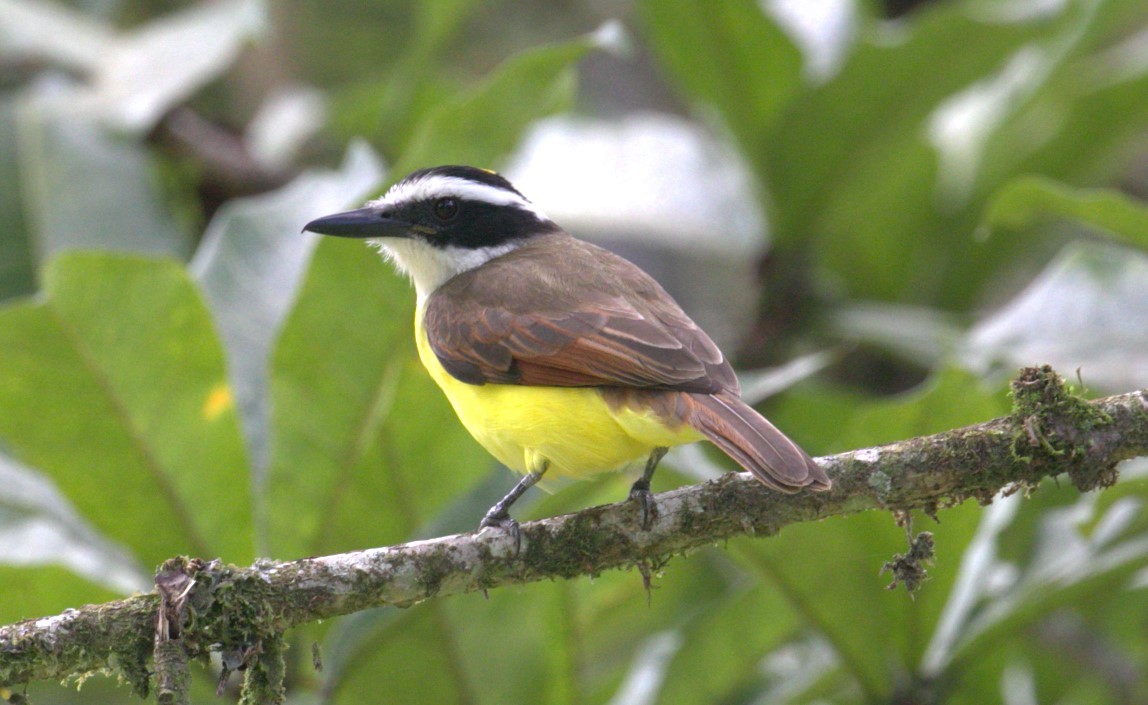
<point x="430" y="267"/>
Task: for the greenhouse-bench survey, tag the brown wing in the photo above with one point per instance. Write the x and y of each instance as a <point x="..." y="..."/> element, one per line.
<point x="569" y="314"/>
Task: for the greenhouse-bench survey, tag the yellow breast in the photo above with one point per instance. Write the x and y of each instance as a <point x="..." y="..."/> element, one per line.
<point x="570" y="431"/>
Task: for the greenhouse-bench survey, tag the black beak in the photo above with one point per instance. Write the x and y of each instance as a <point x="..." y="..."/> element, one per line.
<point x="362" y="223"/>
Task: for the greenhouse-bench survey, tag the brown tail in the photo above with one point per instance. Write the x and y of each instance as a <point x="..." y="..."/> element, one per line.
<point x="756" y="445"/>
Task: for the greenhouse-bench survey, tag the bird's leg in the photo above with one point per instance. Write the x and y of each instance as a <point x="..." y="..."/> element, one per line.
<point x="640" y="490"/>
<point x="499" y="515"/>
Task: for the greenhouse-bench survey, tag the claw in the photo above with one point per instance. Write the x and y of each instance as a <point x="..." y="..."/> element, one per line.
<point x="505" y="522"/>
<point x="647" y="508"/>
<point x="640" y="490"/>
<point x="499" y="514"/>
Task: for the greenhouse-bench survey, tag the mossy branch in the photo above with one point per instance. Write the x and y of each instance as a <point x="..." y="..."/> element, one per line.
<point x="244" y="611"/>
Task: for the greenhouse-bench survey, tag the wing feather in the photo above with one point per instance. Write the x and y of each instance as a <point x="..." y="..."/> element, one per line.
<point x="526" y="320"/>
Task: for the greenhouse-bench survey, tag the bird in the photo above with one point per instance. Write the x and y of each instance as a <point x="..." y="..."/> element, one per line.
<point x="561" y="358"/>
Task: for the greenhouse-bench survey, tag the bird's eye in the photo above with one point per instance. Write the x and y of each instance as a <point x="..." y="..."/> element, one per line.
<point x="446" y="208"/>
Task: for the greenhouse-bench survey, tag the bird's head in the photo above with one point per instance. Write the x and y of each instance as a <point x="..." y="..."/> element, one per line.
<point x="439" y="222"/>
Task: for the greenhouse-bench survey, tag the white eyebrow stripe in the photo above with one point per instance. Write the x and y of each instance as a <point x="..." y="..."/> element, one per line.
<point x="435" y="186"/>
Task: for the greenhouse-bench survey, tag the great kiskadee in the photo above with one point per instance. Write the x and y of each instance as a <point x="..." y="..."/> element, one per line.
<point x="559" y="357"/>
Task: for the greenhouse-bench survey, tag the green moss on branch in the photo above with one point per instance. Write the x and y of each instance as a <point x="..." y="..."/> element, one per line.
<point x="244" y="611"/>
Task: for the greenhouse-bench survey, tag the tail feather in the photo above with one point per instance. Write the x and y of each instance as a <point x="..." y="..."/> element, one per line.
<point x="754" y="443"/>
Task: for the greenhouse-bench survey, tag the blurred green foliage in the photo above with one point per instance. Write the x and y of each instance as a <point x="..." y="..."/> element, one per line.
<point x="249" y="391"/>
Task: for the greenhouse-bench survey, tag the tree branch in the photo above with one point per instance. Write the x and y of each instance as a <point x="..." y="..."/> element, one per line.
<point x="243" y="611"/>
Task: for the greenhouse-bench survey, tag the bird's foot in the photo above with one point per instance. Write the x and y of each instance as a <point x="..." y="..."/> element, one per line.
<point x="503" y="520"/>
<point x="647" y="508"/>
<point x="499" y="515"/>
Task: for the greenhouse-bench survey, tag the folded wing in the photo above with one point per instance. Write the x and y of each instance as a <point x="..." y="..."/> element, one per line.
<point x="589" y="319"/>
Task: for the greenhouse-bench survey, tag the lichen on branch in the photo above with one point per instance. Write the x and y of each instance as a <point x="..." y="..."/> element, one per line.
<point x="1051" y="431"/>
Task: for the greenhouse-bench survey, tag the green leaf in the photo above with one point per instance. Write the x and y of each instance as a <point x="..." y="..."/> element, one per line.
<point x="1087" y="311"/>
<point x="828" y="574"/>
<point x="611" y="618"/>
<point x="161" y="64"/>
<point x="32" y="591"/>
<point x="730" y="55"/>
<point x="761" y="384"/>
<point x="55" y="135"/>
<point x="364" y="445"/>
<point x="853" y="166"/>
<point x="42" y="526"/>
<point x="406" y="667"/>
<point x="1030" y="201"/>
<point x="575" y="638"/>
<point x="17" y="259"/>
<point x="389" y="104"/>
<point x="59" y="151"/>
<point x="250" y="265"/>
<point x="41" y="533"/>
<point x="411" y="90"/>
<point x="1086" y="120"/>
<point x="825" y="586"/>
<point x="922" y="335"/>
<point x="1068" y="564"/>
<point x="133" y="78"/>
<point x="114" y="385"/>
<point x="485" y="123"/>
<point x="333" y="373"/>
<point x="951" y="398"/>
<point x="725" y="638"/>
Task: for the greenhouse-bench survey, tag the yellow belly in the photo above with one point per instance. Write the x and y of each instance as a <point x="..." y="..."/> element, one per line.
<point x="568" y="431"/>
